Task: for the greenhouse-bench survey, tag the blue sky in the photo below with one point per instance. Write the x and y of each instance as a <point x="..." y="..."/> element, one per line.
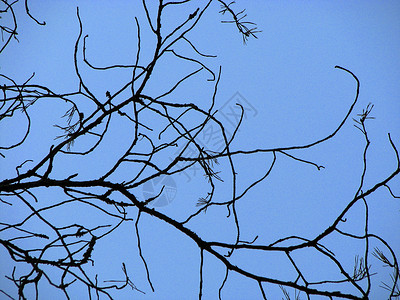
<point x="287" y="75"/>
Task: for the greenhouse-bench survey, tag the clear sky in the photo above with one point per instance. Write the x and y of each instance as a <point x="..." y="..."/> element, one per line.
<point x="294" y="95"/>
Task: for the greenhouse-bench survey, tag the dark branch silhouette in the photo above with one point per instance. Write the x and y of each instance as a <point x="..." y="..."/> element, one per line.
<point x="59" y="252"/>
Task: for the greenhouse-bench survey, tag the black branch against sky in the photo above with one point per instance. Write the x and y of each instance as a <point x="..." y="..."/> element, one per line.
<point x="60" y="254"/>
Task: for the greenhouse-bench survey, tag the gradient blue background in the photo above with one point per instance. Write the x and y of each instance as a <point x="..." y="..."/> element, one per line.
<point x="287" y="75"/>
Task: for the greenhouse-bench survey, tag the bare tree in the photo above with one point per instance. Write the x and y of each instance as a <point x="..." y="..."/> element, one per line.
<point x="162" y="127"/>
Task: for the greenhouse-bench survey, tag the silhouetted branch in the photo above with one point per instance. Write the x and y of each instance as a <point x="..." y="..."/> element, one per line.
<point x="84" y="171"/>
<point x="238" y="20"/>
